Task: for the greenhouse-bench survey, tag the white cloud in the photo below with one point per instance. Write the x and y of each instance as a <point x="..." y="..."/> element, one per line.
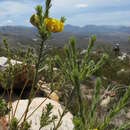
<point x="107" y="18"/>
<point x="15" y="12"/>
<point x="72" y="7"/>
<point x="77" y="12"/>
<point x="9" y="21"/>
<point x="82" y="5"/>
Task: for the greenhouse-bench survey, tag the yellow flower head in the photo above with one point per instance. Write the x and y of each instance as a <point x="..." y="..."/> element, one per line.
<point x="53" y="25"/>
<point x="93" y="129"/>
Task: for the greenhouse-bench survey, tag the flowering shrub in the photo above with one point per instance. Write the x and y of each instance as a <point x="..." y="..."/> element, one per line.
<point x="73" y="71"/>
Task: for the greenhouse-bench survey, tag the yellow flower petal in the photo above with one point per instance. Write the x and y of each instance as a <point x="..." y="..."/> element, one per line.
<point x="53" y="25"/>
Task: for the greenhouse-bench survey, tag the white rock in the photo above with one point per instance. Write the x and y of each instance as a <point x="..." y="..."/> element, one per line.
<point x="105" y="102"/>
<point x="128" y="114"/>
<point x="44" y="88"/>
<point x="83" y="52"/>
<point x="13" y="62"/>
<point x="46" y="67"/>
<point x="55" y="69"/>
<point x="3" y="62"/>
<point x="124" y="55"/>
<point x="35" y="118"/>
<point x="35" y="39"/>
<point x="122" y="70"/>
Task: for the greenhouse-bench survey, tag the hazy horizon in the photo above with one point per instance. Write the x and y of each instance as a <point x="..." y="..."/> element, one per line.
<point x="69" y="25"/>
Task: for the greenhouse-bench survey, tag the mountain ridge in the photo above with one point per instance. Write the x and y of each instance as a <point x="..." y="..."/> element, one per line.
<point x="106" y="34"/>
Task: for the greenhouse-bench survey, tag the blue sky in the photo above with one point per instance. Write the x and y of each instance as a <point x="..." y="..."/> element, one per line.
<point x="77" y="12"/>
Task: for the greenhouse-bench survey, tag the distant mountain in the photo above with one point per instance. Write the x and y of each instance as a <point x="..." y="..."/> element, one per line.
<point x="97" y="29"/>
<point x="18" y="36"/>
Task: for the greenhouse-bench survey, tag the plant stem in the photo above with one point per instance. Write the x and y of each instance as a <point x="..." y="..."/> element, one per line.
<point x="35" y="79"/>
<point x="39" y="106"/>
<point x="10" y="98"/>
<point x="63" y="113"/>
<point x="20" y="97"/>
<point x="9" y="112"/>
<point x="80" y="103"/>
<point x="3" y="94"/>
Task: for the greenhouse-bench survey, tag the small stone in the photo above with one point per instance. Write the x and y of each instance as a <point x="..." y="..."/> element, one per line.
<point x="128" y="114"/>
<point x="40" y="82"/>
<point x="54" y="97"/>
<point x="55" y="69"/>
<point x="105" y="102"/>
<point x="45" y="89"/>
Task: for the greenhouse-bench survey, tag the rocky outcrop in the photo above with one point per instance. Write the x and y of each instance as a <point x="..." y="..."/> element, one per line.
<point x="35" y="118"/>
